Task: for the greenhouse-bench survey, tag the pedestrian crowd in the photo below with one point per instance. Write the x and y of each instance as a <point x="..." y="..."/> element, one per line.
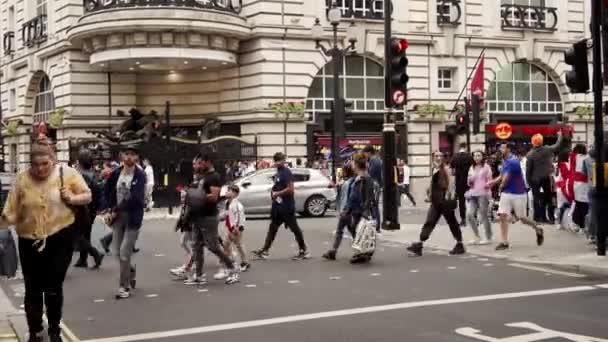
<point x="62" y="203"/>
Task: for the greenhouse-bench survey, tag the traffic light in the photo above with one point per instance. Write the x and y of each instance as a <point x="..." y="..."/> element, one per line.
<point x="398" y="72"/>
<point x="342" y="115"/>
<point x="462" y="123"/>
<point x="476" y="109"/>
<point x="577" y="79"/>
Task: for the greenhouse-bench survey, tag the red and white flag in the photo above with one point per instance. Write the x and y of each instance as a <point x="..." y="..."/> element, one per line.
<point x="477" y="84"/>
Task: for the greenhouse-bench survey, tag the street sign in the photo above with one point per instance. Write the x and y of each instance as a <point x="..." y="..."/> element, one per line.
<point x="399" y="97"/>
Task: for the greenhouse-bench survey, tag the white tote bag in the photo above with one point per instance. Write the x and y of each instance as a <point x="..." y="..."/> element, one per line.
<point x="365" y="240"/>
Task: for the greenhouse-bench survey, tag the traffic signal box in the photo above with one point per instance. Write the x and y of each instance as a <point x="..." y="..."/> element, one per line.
<point x="398" y="72"/>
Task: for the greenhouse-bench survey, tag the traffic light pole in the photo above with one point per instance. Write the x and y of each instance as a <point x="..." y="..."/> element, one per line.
<point x="601" y="195"/>
<point x="389" y="197"/>
<point x="467" y="112"/>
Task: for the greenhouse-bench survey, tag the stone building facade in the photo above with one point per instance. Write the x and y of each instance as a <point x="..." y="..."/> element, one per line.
<point x="231" y="59"/>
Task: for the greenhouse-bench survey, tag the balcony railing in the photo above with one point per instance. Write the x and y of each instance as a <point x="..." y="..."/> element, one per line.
<point x="519" y="17"/>
<point x="449" y="12"/>
<point x="233" y="6"/>
<point x="33" y="32"/>
<point x="8" y="42"/>
<point x="359" y="9"/>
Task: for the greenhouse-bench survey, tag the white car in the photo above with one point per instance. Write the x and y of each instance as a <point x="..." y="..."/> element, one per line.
<point x="313" y="191"/>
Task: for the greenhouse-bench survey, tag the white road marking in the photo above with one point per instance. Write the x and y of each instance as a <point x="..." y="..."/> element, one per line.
<point x="483" y="259"/>
<point x="251" y="285"/>
<point x="376" y="274"/>
<point x="341" y="313"/>
<point x="414" y="271"/>
<point x="451" y="267"/>
<point x="602" y="286"/>
<point x="22" y="306"/>
<point x="203" y="290"/>
<point x="326" y="242"/>
<point x="99" y="300"/>
<point x="488" y="265"/>
<point x="538" y="333"/>
<point x="159" y="255"/>
<point x="548" y="270"/>
<point x="293" y="281"/>
<point x="335" y="278"/>
<point x="152" y="295"/>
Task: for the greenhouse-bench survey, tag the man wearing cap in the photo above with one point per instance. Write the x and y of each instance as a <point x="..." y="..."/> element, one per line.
<point x="283" y="211"/>
<point x="125" y="198"/>
<point x="539" y="168"/>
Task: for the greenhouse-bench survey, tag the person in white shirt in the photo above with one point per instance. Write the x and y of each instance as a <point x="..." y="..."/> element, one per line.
<point x="234" y="217"/>
<point x="149" y="183"/>
<point x="404" y="182"/>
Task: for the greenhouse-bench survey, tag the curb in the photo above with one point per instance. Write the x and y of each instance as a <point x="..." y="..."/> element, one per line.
<point x="597" y="271"/>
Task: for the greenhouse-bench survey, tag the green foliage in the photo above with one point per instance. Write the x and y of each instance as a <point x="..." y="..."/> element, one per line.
<point x="56" y="118"/>
<point x="288" y="110"/>
<point x="584" y="112"/>
<point x="11" y="127"/>
<point x="435" y="111"/>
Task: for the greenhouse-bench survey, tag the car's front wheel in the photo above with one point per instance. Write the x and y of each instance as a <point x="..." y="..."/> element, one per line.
<point x="315" y="206"/>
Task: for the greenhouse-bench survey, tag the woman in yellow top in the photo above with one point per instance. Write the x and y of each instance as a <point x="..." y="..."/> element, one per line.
<point x="39" y="208"/>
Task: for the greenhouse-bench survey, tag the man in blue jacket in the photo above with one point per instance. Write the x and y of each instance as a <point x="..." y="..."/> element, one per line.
<point x="125" y="198"/>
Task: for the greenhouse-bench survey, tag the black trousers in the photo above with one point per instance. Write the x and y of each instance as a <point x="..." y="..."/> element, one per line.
<point x="435" y="212"/>
<point x="288" y="218"/>
<point x="462" y="204"/>
<point x="404" y="189"/>
<point x="542" y="200"/>
<point x="83" y="240"/>
<point x="580" y="213"/>
<point x="44" y="273"/>
<point x="206" y="235"/>
<point x="344" y="222"/>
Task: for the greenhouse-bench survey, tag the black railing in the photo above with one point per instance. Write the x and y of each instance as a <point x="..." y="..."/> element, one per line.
<point x="33" y="32"/>
<point x="519" y="17"/>
<point x="233" y="6"/>
<point x="8" y="41"/>
<point x="359" y="9"/>
<point x="449" y="12"/>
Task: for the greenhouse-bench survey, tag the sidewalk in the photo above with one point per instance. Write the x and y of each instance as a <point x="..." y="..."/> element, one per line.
<point x="562" y="249"/>
<point x="7" y="332"/>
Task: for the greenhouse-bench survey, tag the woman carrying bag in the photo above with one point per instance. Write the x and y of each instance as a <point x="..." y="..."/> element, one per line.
<point x="42" y="212"/>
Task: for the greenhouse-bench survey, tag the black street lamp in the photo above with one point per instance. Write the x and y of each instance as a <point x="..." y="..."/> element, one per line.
<point x="337" y="54"/>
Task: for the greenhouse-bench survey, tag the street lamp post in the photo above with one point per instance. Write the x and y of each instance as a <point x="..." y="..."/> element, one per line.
<point x="337" y="54"/>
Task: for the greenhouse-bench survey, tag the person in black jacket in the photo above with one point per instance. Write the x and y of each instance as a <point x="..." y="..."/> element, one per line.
<point x="442" y="204"/>
<point x="461" y="163"/>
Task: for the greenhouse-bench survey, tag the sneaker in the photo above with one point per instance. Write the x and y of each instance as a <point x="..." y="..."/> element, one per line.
<point x="123" y="293"/>
<point x="179" y="274"/>
<point x="458" y="249"/>
<point x="261" y="254"/>
<point x="502" y="246"/>
<point x="233" y="277"/>
<point x="221" y="274"/>
<point x="474" y="242"/>
<point x="360" y="259"/>
<point x="485" y="242"/>
<point x="98" y="260"/>
<point x="245" y="266"/>
<point x="415" y="249"/>
<point x="195" y="281"/>
<point x="329" y="255"/>
<point x="302" y="255"/>
<point x="178" y="270"/>
<point x="540" y="236"/>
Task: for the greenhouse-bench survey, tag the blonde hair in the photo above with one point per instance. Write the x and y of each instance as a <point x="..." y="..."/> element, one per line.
<point x="42" y="147"/>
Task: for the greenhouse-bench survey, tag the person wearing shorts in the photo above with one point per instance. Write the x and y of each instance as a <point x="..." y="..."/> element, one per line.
<point x="513" y="195"/>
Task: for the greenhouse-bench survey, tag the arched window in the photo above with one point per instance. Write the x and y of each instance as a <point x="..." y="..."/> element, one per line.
<point x="362" y="82"/>
<point x="523" y="88"/>
<point x="44" y="102"/>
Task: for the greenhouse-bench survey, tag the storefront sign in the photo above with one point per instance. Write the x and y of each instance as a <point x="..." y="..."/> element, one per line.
<point x="234" y="6"/>
<point x="505" y="130"/>
<point x="357" y="143"/>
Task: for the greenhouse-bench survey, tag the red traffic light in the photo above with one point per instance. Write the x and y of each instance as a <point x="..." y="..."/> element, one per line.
<point x="399" y="45"/>
<point x="460" y="119"/>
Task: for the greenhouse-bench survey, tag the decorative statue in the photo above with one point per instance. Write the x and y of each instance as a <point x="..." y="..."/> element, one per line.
<point x="211" y="129"/>
<point x="138" y="126"/>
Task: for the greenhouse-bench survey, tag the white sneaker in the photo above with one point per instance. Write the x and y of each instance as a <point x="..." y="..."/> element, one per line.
<point x="123" y="293"/>
<point x="474" y="242"/>
<point x="178" y="270"/>
<point x="485" y="242"/>
<point x="195" y="281"/>
<point x="232" y="278"/>
<point x="220" y="275"/>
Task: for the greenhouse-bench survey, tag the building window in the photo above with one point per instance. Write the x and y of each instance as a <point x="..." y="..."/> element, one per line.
<point x="362" y="9"/>
<point x="45" y="101"/>
<point x="528" y="14"/>
<point x="41" y="7"/>
<point x="12" y="100"/>
<point x="445" y="78"/>
<point x="362" y="81"/>
<point x="14" y="159"/>
<point x="523" y="88"/>
<point x="11" y="19"/>
<point x="449" y="12"/>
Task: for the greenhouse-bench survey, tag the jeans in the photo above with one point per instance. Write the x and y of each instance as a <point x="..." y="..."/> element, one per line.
<point x="478" y="214"/>
<point x="542" y="201"/>
<point x="84" y="241"/>
<point x="435" y="212"/>
<point x="124" y="239"/>
<point x="206" y="235"/>
<point x="344" y="222"/>
<point x="278" y="218"/>
<point x="44" y="273"/>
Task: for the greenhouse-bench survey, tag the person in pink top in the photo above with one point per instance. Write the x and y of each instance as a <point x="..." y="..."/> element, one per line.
<point x="479" y="198"/>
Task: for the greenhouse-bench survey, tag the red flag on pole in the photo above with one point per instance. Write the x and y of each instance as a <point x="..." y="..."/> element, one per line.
<point x="477" y="84"/>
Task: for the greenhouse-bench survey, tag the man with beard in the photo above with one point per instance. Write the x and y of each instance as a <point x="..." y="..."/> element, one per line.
<point x="202" y="199"/>
<point x="283" y="211"/>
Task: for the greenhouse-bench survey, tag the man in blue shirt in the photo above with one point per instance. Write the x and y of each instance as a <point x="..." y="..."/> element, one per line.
<point x="283" y="210"/>
<point x="513" y="197"/>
